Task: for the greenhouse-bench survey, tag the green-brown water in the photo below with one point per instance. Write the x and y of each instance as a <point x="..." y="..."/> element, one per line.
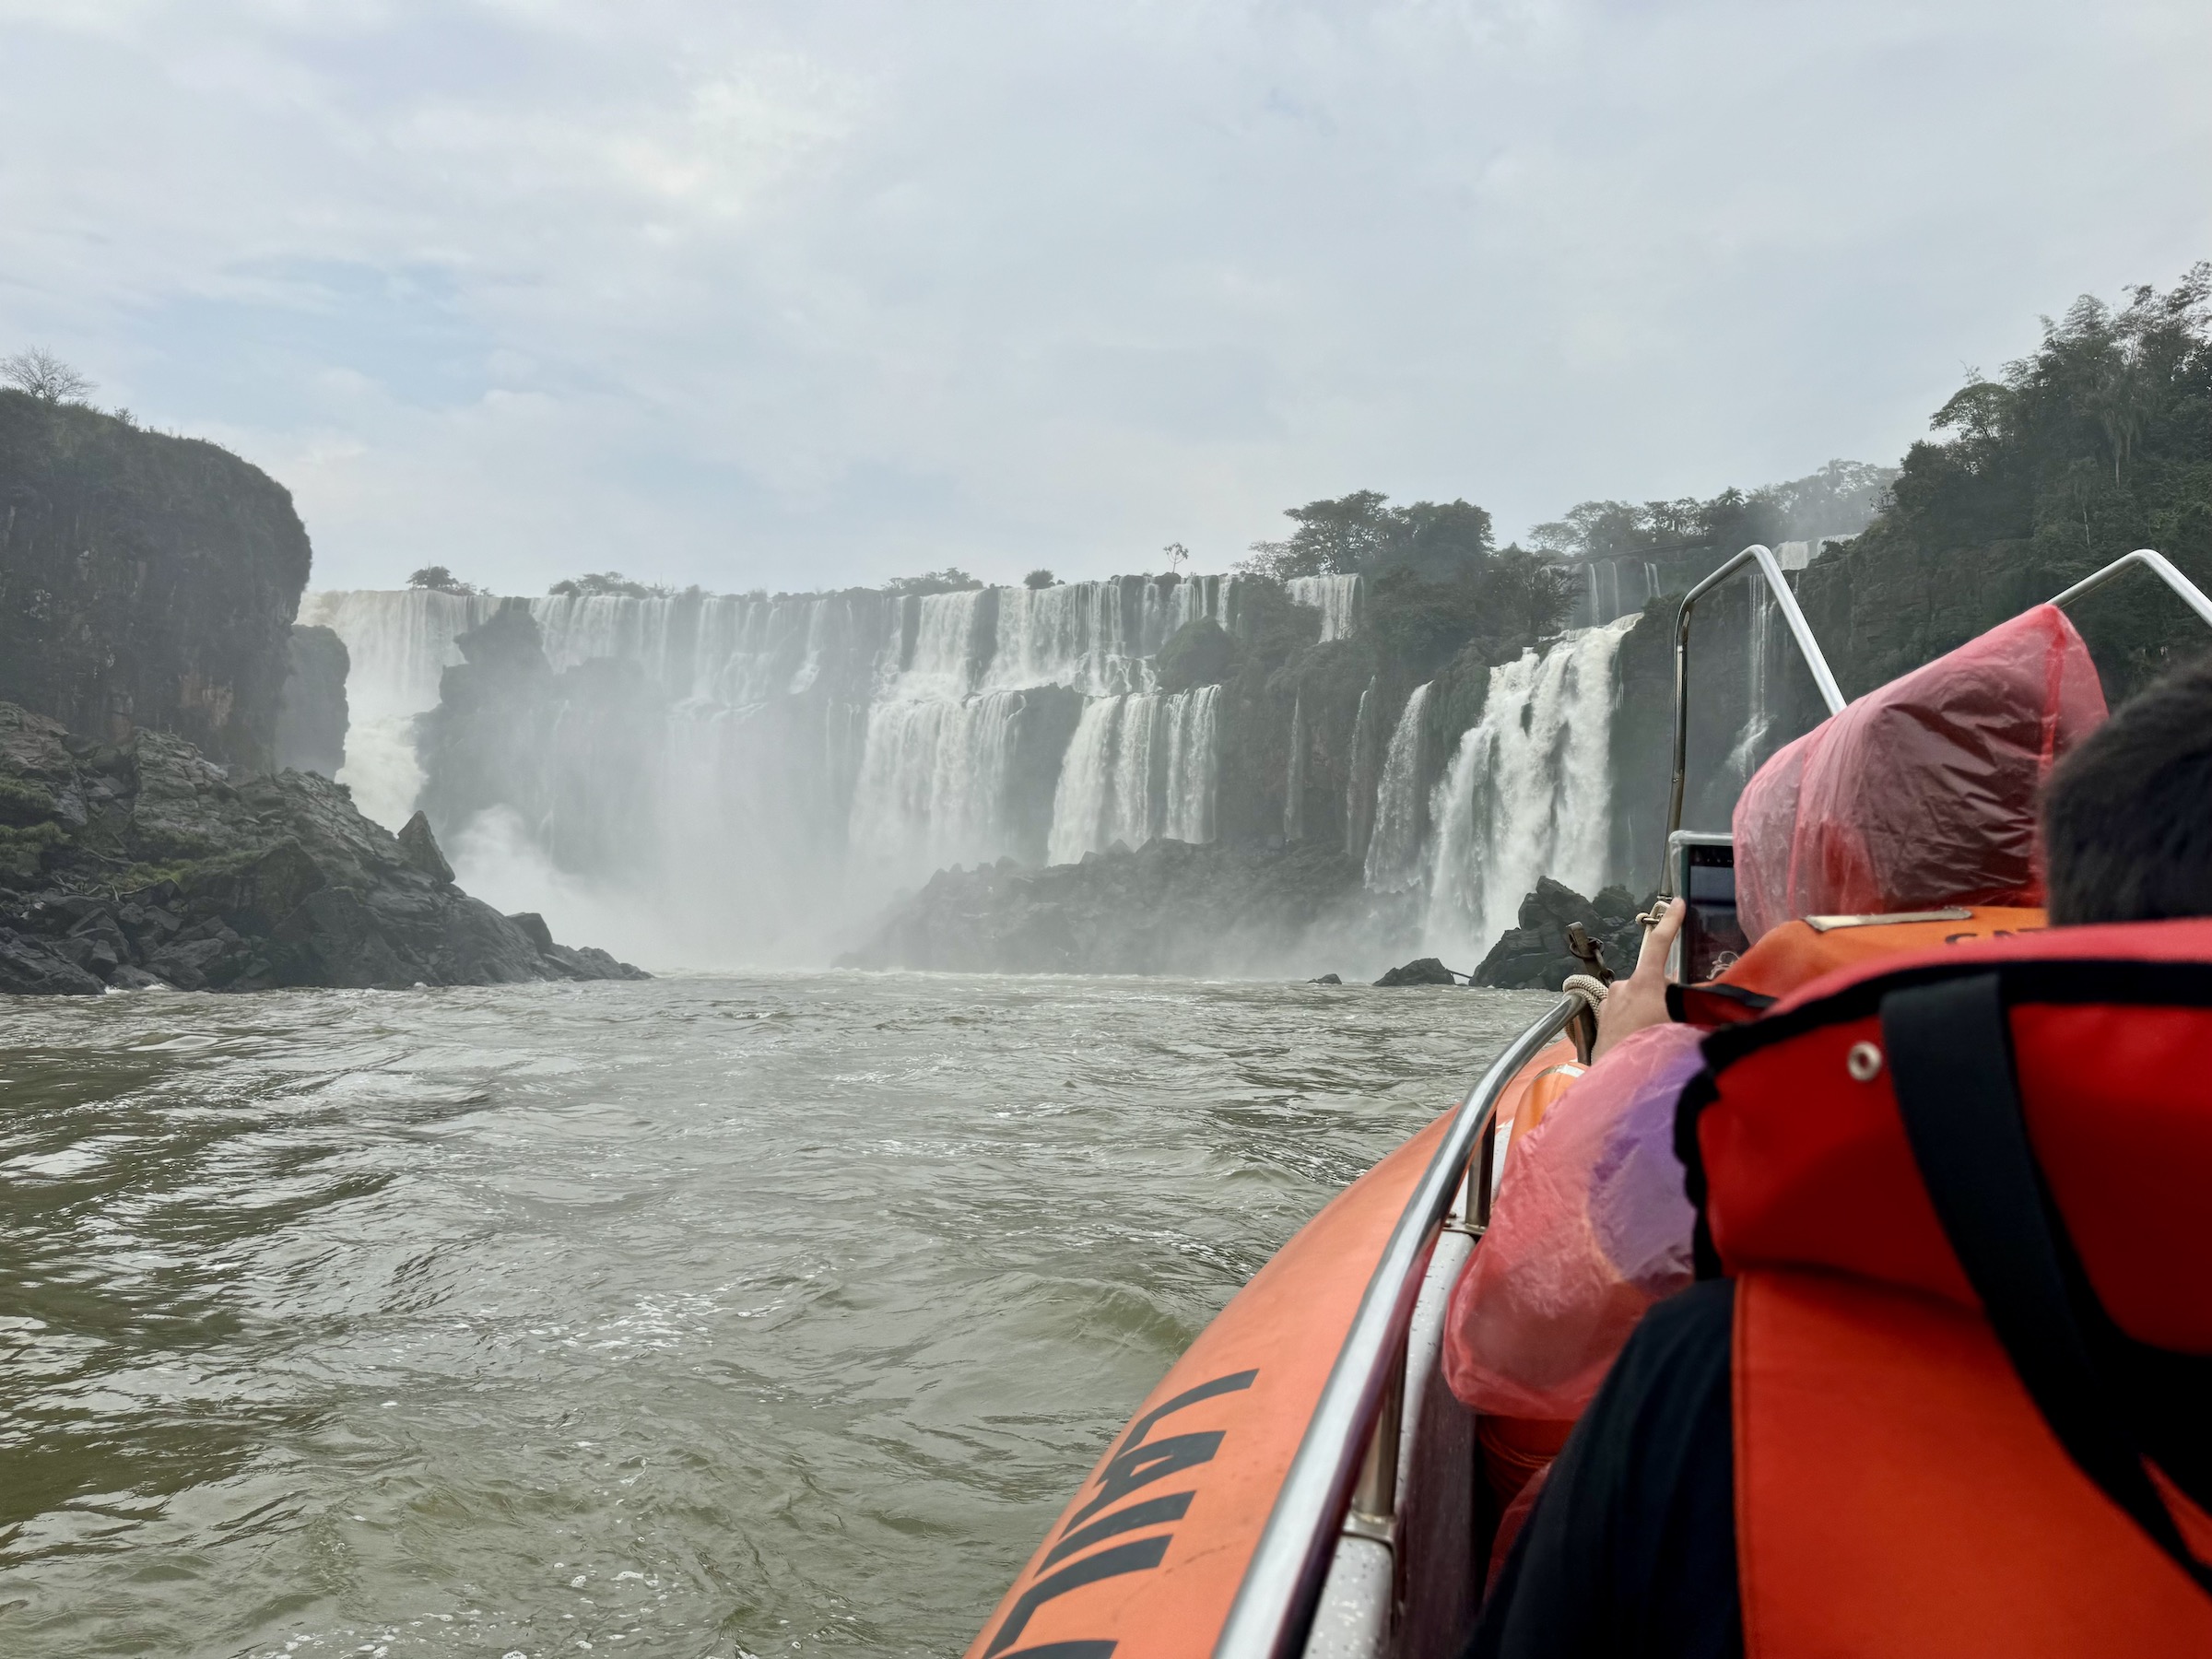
<point x="698" y="1317"/>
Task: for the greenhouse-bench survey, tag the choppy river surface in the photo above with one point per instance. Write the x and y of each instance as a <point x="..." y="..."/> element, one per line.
<point x="700" y="1317"/>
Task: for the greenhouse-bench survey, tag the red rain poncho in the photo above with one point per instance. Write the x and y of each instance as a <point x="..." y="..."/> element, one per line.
<point x="1923" y="793"/>
<point x="1592" y="1226"/>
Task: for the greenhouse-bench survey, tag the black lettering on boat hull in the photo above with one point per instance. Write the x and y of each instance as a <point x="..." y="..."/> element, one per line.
<point x="1140" y="1557"/>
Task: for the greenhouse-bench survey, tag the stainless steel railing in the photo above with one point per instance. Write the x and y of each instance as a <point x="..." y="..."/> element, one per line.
<point x="1807" y="647"/>
<point x="2156" y="564"/>
<point x="1354" y="1426"/>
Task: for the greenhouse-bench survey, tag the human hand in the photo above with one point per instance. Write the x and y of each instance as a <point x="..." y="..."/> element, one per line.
<point x="1641" y="999"/>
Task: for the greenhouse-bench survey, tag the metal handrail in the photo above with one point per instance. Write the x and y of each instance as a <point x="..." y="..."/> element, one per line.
<point x="1807" y="647"/>
<point x="1275" y="1605"/>
<point x="2158" y="565"/>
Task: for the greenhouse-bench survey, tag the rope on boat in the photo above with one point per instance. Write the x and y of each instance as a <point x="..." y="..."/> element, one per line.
<point x="1587" y="986"/>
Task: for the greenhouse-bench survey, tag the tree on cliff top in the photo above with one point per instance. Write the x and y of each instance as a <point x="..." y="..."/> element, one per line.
<point x="1838" y="500"/>
<point x="950" y="580"/>
<point x="1360" y="533"/>
<point x="439" y="580"/>
<point x="605" y="585"/>
<point x="44" y="376"/>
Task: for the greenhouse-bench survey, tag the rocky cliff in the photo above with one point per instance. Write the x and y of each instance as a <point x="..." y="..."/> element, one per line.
<point x="141" y="863"/>
<point x="145" y="580"/>
<point x="311" y="713"/>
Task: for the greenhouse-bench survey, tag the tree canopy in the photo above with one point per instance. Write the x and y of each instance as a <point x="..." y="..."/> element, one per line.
<point x="1838" y="500"/>
<point x="2097" y="443"/>
<point x="44" y="376"/>
<point x="1361" y="533"/>
<point x="950" y="580"/>
<point x="440" y="580"/>
<point x="605" y="585"/>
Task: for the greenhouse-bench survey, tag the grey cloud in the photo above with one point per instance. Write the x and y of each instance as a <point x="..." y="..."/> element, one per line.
<point x="804" y="294"/>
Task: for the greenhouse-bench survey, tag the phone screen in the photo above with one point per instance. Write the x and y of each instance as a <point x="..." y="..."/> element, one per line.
<point x="1711" y="937"/>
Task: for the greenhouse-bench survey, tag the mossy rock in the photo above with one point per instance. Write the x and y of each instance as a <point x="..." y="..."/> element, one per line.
<point x="26" y="802"/>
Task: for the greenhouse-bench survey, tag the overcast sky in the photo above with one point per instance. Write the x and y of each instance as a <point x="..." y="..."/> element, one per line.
<point x="792" y="295"/>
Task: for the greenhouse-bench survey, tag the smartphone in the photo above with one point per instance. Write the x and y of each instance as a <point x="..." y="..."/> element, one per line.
<point x="1711" y="937"/>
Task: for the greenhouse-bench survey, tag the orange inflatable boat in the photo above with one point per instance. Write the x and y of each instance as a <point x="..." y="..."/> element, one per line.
<point x="1302" y="1481"/>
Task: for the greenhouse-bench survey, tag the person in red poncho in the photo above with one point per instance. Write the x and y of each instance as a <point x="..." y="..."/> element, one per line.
<point x="1633" y="1546"/>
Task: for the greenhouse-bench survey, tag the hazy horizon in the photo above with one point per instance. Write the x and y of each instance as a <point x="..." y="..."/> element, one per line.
<point x="799" y="299"/>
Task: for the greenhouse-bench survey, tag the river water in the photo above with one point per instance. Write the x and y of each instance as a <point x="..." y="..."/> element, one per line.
<point x="699" y="1316"/>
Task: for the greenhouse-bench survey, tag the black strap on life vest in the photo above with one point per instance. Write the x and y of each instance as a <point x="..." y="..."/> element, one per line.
<point x="1949" y="1051"/>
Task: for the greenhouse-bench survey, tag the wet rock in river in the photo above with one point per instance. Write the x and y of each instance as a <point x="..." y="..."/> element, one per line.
<point x="1421" y="970"/>
<point x="1534" y="955"/>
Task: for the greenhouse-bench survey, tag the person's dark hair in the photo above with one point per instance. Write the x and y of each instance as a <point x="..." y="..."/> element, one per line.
<point x="2127" y="817"/>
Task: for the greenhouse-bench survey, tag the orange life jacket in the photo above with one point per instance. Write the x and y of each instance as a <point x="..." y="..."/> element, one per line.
<point x="1794" y="955"/>
<point x="1914" y="1470"/>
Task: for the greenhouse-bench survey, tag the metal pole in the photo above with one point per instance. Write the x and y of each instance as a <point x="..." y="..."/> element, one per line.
<point x="2158" y="565"/>
<point x="1375" y="1498"/>
<point x="1807" y="647"/>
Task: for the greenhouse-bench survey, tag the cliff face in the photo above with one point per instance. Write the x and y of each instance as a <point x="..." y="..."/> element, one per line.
<point x="145" y="580"/>
<point x="310" y="715"/>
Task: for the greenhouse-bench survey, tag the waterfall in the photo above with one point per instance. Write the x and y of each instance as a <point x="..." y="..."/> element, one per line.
<point x="1750" y="744"/>
<point x="1613" y="588"/>
<point x="1294" y="783"/>
<point x="1140" y="765"/>
<point x="1527" y="793"/>
<point x="1394" y="851"/>
<point x="399" y="645"/>
<point x="766" y="767"/>
<point x="1360" y="776"/>
<point x="1339" y="600"/>
<point x="935" y="786"/>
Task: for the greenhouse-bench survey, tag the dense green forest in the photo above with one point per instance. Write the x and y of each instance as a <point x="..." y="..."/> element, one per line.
<point x="2097" y="442"/>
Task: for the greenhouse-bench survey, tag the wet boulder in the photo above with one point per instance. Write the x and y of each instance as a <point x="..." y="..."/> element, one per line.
<point x="1535" y="956"/>
<point x="1421" y="970"/>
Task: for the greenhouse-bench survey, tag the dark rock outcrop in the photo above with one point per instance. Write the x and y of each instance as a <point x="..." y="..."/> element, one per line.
<point x="1198" y="654"/>
<point x="1421" y="970"/>
<point x="141" y="863"/>
<point x="311" y="713"/>
<point x="1169" y="908"/>
<point x="145" y="580"/>
<point x="421" y="849"/>
<point x="1534" y="955"/>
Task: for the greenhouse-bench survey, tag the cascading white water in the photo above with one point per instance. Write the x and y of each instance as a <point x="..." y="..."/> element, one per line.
<point x="1139" y="766"/>
<point x="934" y="787"/>
<point x="1097" y="637"/>
<point x="1338" y="598"/>
<point x="1294" y="784"/>
<point x="1528" y="793"/>
<point x="816" y="749"/>
<point x="1394" y="851"/>
<point x="1749" y="748"/>
<point x="1359" y="780"/>
<point x="398" y="643"/>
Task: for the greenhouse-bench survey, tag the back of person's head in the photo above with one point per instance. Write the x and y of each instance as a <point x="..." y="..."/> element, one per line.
<point x="2127" y="817"/>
